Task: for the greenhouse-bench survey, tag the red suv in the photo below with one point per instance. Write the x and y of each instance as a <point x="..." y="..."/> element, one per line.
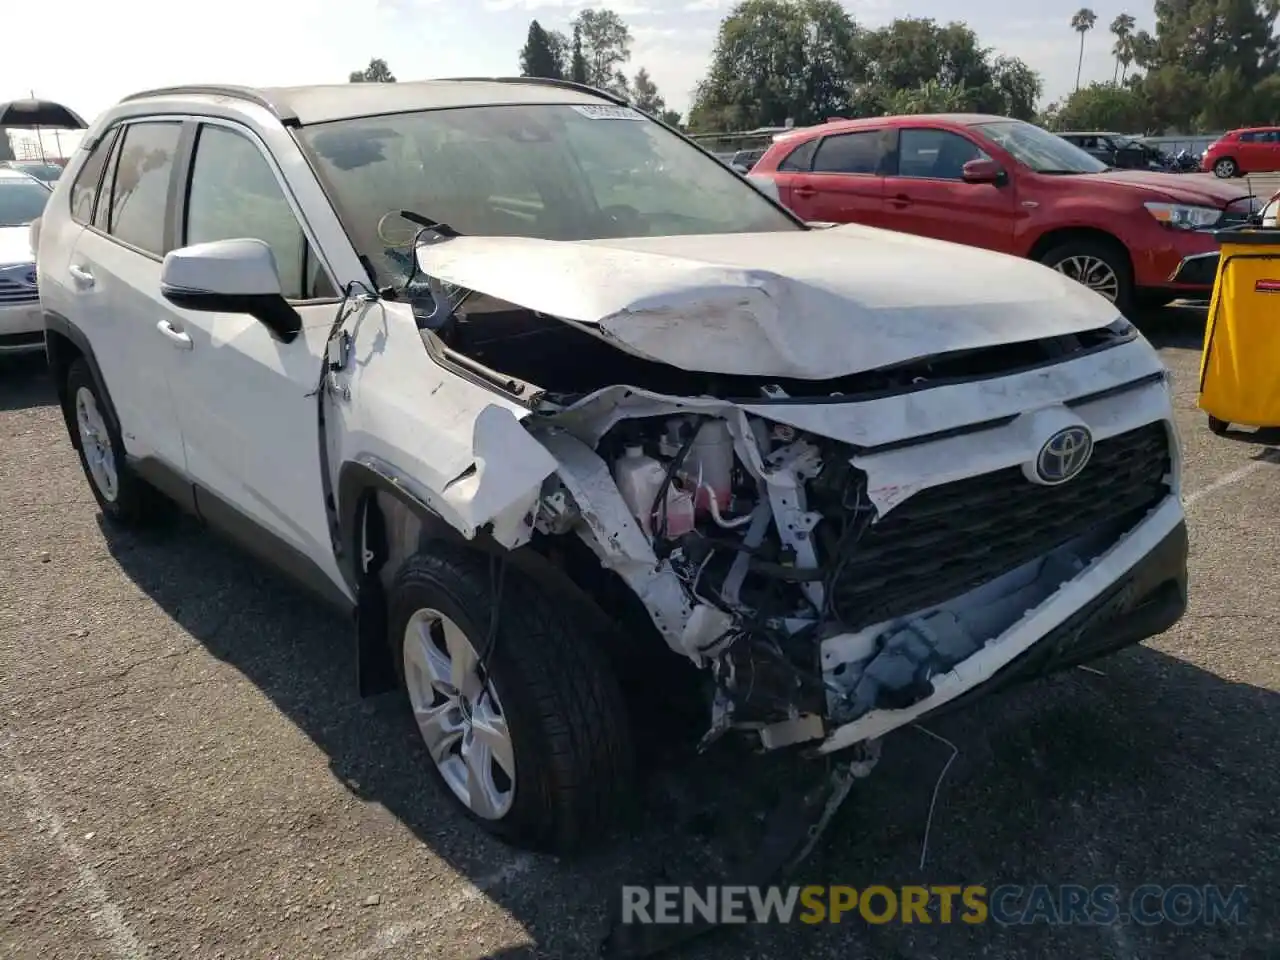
<point x="1252" y="150"/>
<point x="1133" y="236"/>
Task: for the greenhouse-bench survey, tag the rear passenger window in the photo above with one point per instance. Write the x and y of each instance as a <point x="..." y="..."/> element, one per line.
<point x="849" y="153"/>
<point x="84" y="191"/>
<point x="234" y="193"/>
<point x="140" y="187"/>
<point x="801" y="158"/>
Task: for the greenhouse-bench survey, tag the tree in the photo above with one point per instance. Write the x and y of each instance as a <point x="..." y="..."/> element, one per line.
<point x="1209" y="62"/>
<point x="1016" y="86"/>
<point x="6" y="147"/>
<point x="605" y="44"/>
<point x="671" y="118"/>
<point x="558" y="44"/>
<point x="1123" y="49"/>
<point x="776" y="60"/>
<point x="1103" y="106"/>
<point x="578" y="62"/>
<point x="1082" y="22"/>
<point x="645" y="95"/>
<point x="537" y="59"/>
<point x="376" y="72"/>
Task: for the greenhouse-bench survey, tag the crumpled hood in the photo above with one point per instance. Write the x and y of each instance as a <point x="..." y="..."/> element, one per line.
<point x="809" y="305"/>
<point x="15" y="246"/>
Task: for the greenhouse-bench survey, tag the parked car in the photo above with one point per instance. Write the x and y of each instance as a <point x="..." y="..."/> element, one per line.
<point x="47" y="173"/>
<point x="556" y="441"/>
<point x="744" y="160"/>
<point x="22" y="200"/>
<point x="1118" y="150"/>
<point x="1249" y="150"/>
<point x="1133" y="236"/>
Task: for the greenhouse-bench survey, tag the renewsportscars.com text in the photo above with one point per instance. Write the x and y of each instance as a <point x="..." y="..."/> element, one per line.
<point x="1008" y="904"/>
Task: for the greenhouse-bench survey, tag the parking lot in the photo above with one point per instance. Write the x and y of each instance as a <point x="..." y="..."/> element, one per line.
<point x="186" y="770"/>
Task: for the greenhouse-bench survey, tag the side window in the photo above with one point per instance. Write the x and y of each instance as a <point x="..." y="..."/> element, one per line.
<point x="234" y="193"/>
<point x="84" y="191"/>
<point x="849" y="153"/>
<point x="140" y="187"/>
<point x="1248" y="137"/>
<point x="102" y="208"/>
<point x="800" y="159"/>
<point x="934" y="154"/>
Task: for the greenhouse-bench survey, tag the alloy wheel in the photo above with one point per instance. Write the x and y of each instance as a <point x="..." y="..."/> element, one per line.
<point x="459" y="714"/>
<point x="1093" y="272"/>
<point x="95" y="441"/>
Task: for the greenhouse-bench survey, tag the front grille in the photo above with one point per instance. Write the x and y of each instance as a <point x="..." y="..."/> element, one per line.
<point x="947" y="540"/>
<point x="11" y="291"/>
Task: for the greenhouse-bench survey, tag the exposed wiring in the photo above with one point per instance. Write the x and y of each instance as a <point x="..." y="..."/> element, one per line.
<point x="660" y="501"/>
<point x="715" y="510"/>
<point x="928" y="824"/>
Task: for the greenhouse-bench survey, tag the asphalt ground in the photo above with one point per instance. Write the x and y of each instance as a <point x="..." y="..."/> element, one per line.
<point x="187" y="771"/>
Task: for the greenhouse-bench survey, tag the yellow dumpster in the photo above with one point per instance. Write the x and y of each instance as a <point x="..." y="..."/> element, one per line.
<point x="1240" y="365"/>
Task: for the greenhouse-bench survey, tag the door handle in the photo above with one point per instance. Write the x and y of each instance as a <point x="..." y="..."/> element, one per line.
<point x="901" y="200"/>
<point x="80" y="276"/>
<point x="805" y="192"/>
<point x="179" y="339"/>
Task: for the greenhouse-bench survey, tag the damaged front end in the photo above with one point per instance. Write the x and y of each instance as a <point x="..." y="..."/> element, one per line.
<point x="846" y="555"/>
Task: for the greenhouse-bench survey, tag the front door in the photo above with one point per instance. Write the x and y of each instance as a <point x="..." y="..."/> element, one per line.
<point x="244" y="398"/>
<point x="114" y="266"/>
<point x="927" y="194"/>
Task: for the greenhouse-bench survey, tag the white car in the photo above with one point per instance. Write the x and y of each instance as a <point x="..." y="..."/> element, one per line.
<point x="22" y="200"/>
<point x="534" y="427"/>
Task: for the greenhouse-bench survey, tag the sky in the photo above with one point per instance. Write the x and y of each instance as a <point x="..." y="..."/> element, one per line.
<point x="123" y="46"/>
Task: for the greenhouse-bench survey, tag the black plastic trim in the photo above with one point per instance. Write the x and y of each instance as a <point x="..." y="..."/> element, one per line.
<point x="271" y="309"/>
<point x="60" y="326"/>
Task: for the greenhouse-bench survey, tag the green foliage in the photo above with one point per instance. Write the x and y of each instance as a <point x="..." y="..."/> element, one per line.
<point x="807" y="60"/>
<point x="538" y="58"/>
<point x="602" y="39"/>
<point x="1103" y="106"/>
<point x="376" y="72"/>
<point x="577" y="61"/>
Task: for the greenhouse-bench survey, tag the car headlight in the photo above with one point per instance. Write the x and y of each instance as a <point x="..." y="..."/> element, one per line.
<point x="1184" y="217"/>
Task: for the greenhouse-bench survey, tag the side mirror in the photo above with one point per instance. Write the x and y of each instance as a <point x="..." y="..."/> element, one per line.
<point x="982" y="170"/>
<point x="230" y="276"/>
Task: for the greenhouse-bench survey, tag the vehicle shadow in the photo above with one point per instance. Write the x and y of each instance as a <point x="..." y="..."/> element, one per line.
<point x="25" y="382"/>
<point x="1155" y="771"/>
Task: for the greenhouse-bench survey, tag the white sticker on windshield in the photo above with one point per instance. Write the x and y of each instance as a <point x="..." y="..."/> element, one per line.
<point x="601" y="111"/>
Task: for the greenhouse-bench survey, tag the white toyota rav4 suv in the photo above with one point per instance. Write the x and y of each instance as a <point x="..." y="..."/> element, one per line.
<point x="540" y="392"/>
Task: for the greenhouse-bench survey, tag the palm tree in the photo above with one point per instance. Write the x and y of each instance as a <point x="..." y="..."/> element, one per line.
<point x="1082" y="22"/>
<point x="1122" y="29"/>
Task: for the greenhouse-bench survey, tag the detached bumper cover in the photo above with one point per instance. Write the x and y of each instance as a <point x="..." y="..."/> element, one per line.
<point x="1147" y="601"/>
<point x="1136" y="590"/>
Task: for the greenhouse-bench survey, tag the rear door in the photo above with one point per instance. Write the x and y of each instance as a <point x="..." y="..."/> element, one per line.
<point x="926" y="193"/>
<point x="845" y="183"/>
<point x="114" y="271"/>
<point x="1268" y="151"/>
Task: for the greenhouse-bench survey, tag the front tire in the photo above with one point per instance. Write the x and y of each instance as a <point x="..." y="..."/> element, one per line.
<point x="1101" y="266"/>
<point x="533" y="745"/>
<point x="123" y="496"/>
<point x="1225" y="169"/>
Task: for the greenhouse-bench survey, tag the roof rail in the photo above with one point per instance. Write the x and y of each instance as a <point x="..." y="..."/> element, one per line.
<point x="287" y="117"/>
<point x="551" y="82"/>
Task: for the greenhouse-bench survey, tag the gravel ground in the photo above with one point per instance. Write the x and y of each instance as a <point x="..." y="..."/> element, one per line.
<point x="186" y="771"/>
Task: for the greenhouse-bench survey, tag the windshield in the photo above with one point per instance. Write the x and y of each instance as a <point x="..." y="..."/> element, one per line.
<point x="547" y="171"/>
<point x="21" y="201"/>
<point x="1039" y="149"/>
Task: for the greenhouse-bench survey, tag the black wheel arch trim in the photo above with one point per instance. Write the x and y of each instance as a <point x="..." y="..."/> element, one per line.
<point x="59" y="325"/>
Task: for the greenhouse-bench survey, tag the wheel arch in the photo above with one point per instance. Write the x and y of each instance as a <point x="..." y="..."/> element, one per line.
<point x="382" y="522"/>
<point x="1052" y="238"/>
<point x="64" y="344"/>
